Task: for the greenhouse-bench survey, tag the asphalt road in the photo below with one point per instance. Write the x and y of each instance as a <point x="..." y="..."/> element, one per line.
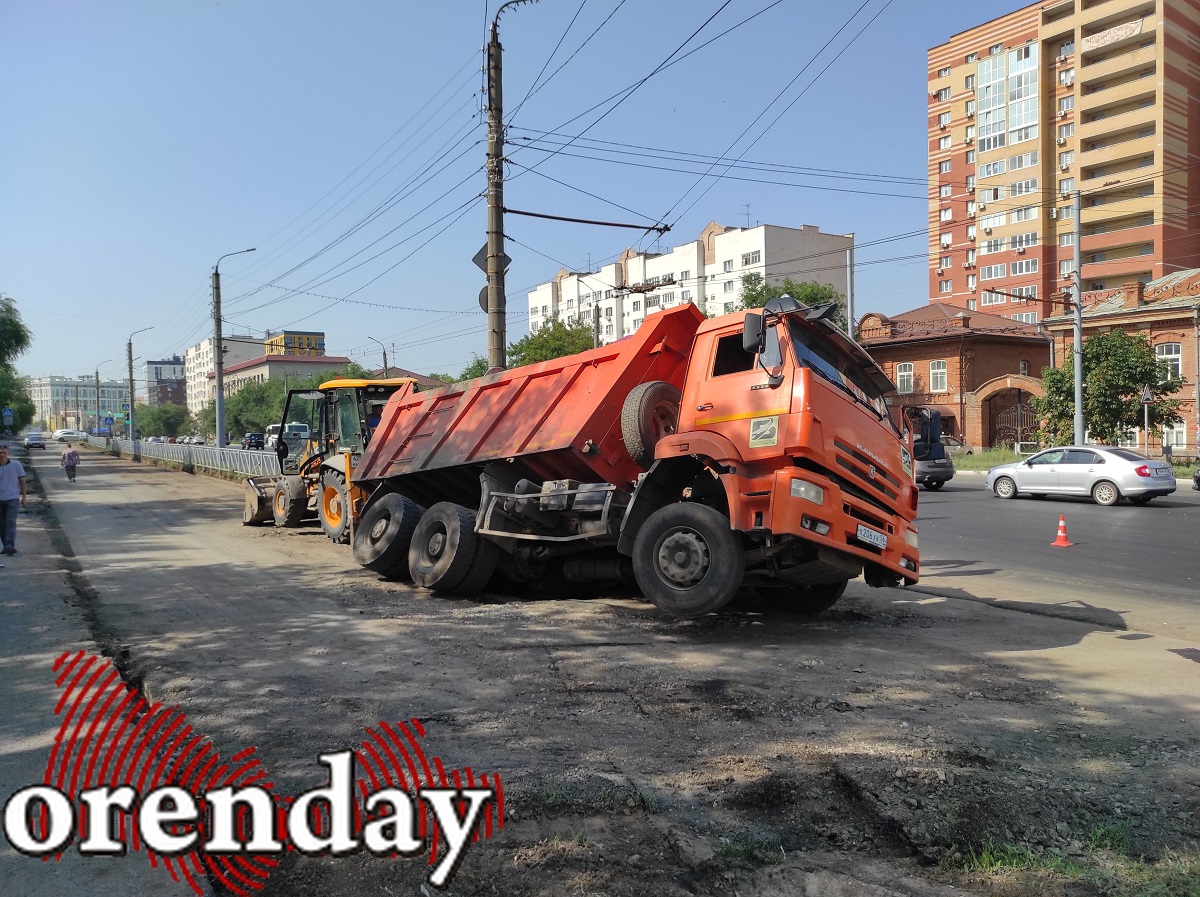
<point x="1138" y="562"/>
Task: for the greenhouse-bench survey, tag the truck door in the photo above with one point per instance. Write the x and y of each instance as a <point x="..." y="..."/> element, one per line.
<point x="735" y="398"/>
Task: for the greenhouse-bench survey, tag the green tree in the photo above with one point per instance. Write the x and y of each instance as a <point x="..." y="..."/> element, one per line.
<point x="163" y="420"/>
<point x="15" y="339"/>
<point x="477" y="368"/>
<point x="1117" y="366"/>
<point x="554" y="340"/>
<point x="756" y="292"/>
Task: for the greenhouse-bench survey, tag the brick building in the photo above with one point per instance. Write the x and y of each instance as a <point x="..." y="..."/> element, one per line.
<point x="1167" y="312"/>
<point x="978" y="370"/>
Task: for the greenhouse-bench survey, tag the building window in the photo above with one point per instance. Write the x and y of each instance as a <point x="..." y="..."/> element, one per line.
<point x="1025" y="160"/>
<point x="944" y="167"/>
<point x="1066" y="212"/>
<point x="969" y="82"/>
<point x="1066" y="158"/>
<point x="945" y="286"/>
<point x="993" y="298"/>
<point x="685" y="275"/>
<point x="970" y="157"/>
<point x="946" y="214"/>
<point x="944" y="143"/>
<point x="1023" y="367"/>
<point x="727" y="265"/>
<point x="637" y="304"/>
<point x="945" y="190"/>
<point x="904" y="378"/>
<point x="1021" y="188"/>
<point x="1066" y="267"/>
<point x="1025" y="266"/>
<point x="943" y="94"/>
<point x="1027" y="294"/>
<point x="1025" y="317"/>
<point x="1066" y="104"/>
<point x="970" y="182"/>
<point x="729" y="286"/>
<point x="1067" y="130"/>
<point x="937" y="376"/>
<point x="1169" y="353"/>
<point x="945" y="261"/>
<point x="944" y="240"/>
<point x="1066" y="185"/>
<point x="943" y="119"/>
<point x="751" y="258"/>
<point x="972" y="57"/>
<point x="685" y="295"/>
<point x="728" y="307"/>
<point x="1174" y="434"/>
<point x="972" y="283"/>
<point x="1066" y="77"/>
<point x="944" y="72"/>
<point x="1066" y="48"/>
<point x="1066" y="239"/>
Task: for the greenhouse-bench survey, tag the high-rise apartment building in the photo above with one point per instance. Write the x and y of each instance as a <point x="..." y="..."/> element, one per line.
<point x="199" y="364"/>
<point x="1094" y="96"/>
<point x="706" y="272"/>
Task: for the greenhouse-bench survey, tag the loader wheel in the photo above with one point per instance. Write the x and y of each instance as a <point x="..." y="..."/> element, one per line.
<point x="446" y="554"/>
<point x="806" y="601"/>
<point x="334" y="507"/>
<point x="385" y="533"/>
<point x="687" y="560"/>
<point x="289" y="502"/>
<point x="650" y="412"/>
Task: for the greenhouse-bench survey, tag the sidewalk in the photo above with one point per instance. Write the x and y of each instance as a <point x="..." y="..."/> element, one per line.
<point x="42" y="616"/>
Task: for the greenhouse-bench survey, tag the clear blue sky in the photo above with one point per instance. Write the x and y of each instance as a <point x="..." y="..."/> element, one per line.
<point x="143" y="140"/>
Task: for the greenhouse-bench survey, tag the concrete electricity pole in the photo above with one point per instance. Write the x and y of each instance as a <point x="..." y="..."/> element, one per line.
<point x="218" y="350"/>
<point x="497" y="261"/>
<point x="98" y="394"/>
<point x="386" y="370"/>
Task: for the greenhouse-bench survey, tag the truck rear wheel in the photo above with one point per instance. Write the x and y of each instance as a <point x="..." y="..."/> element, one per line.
<point x="289" y="502"/>
<point x="804" y="600"/>
<point x="650" y="412"/>
<point x="334" y="507"/>
<point x="687" y="560"/>
<point x="384" y="534"/>
<point x="446" y="554"/>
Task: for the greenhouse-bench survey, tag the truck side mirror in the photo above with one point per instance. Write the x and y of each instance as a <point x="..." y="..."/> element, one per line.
<point x="752" y="333"/>
<point x="281" y="448"/>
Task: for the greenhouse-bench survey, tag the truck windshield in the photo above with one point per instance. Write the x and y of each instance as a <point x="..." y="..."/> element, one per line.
<point x="839" y="368"/>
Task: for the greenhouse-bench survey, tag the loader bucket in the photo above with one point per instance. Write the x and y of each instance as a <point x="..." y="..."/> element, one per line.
<point x="260" y="493"/>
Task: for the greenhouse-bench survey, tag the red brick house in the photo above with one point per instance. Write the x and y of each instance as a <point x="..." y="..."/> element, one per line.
<point x="978" y="369"/>
<point x="1167" y="312"/>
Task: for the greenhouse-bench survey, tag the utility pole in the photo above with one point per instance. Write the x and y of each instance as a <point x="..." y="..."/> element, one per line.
<point x="1077" y="313"/>
<point x="496" y="309"/>
<point x="218" y="348"/>
<point x="97" y="401"/>
<point x="386" y="370"/>
<point x="129" y="359"/>
<point x="596" y="326"/>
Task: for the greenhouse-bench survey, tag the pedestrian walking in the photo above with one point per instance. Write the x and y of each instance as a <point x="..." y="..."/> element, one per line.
<point x="70" y="460"/>
<point x="12" y="497"/>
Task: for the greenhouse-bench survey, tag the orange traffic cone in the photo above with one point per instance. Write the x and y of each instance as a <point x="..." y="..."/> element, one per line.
<point x="1062" y="541"/>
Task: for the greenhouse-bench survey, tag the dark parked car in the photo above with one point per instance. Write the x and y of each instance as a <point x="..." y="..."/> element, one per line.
<point x="254" y="441"/>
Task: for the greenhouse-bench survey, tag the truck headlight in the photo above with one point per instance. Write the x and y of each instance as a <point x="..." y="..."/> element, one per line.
<point x="808" y="491"/>
<point x="910" y="538"/>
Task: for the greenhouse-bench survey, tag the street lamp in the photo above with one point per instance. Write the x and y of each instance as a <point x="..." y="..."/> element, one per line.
<point x="106" y="361"/>
<point x="218" y="350"/>
<point x="386" y="373"/>
<point x="129" y="358"/>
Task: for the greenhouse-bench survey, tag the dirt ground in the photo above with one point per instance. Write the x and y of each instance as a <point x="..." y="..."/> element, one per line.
<point x="902" y="743"/>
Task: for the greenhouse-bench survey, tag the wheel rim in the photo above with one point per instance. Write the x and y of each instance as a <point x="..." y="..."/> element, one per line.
<point x="684" y="557"/>
<point x="1004" y="488"/>
<point x="1104" y="493"/>
<point x="436" y="546"/>
<point x="333" y="506"/>
<point x="379" y="529"/>
<point x="280" y="502"/>
<point x="663" y="420"/>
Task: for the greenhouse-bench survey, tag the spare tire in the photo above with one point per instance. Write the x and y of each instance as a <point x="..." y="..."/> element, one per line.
<point x="383" y="536"/>
<point x="650" y="412"/>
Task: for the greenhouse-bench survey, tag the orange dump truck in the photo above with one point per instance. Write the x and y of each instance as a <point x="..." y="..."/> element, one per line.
<point x="698" y="455"/>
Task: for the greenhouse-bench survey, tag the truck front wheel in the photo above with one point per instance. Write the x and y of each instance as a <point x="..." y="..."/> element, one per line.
<point x="446" y="554"/>
<point x="384" y="535"/>
<point x="687" y="560"/>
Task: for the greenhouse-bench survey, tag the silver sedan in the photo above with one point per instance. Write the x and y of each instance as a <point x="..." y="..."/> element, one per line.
<point x="1103" y="472"/>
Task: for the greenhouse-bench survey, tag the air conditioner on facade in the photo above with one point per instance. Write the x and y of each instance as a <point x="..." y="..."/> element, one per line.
<point x="1062" y="113"/>
<point x="968" y="140"/>
<point x="1066" y="194"/>
<point x="966" y="265"/>
<point x="1020" y="250"/>
<point x="987" y="230"/>
<point x="1062" y="59"/>
<point x="1064" y="167"/>
<point x="970" y="113"/>
<point x="941" y="127"/>
<point x="970" y="214"/>
<point x="1054" y="213"/>
<point x="971" y="237"/>
<point x="938" y="271"/>
<point x="982" y="206"/>
<point x="1062" y="141"/>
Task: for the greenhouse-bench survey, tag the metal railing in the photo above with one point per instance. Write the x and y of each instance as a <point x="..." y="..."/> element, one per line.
<point x="247" y="463"/>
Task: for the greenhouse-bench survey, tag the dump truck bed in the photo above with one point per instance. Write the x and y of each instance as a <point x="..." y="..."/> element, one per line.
<point x="558" y="419"/>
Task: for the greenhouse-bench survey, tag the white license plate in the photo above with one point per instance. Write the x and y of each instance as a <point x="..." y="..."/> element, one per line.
<point x="871" y="537"/>
<point x="1159" y="472"/>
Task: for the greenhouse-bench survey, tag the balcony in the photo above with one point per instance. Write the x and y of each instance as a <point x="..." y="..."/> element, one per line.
<point x="1118" y="271"/>
<point x="1118" y="206"/>
<point x="1123" y="117"/>
<point x="1118" y="149"/>
<point x="1114" y="64"/>
<point x="1115" y="239"/>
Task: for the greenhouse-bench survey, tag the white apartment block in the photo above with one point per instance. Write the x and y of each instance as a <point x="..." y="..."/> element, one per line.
<point x="706" y="272"/>
<point x="70" y="402"/>
<point x="198" y="365"/>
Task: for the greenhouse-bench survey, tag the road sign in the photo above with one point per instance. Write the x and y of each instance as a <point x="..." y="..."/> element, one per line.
<point x="480" y="259"/>
<point x="7" y="414"/>
<point x="1147" y="398"/>
<point x="108" y="421"/>
<point x="124" y="406"/>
